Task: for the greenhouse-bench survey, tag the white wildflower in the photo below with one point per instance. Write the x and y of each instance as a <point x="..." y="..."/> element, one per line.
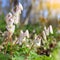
<point x="24" y="34"/>
<point x="21" y="40"/>
<point x="21" y="32"/>
<point x="10" y="28"/>
<point x="13" y="18"/>
<point x="37" y="41"/>
<point x="9" y="15"/>
<point x="24" y="40"/>
<point x="47" y="32"/>
<point x="10" y="21"/>
<point x="18" y="9"/>
<point x="16" y="13"/>
<point x="27" y="33"/>
<point x="16" y="19"/>
<point x="21" y="37"/>
<point x="44" y="35"/>
<point x="20" y="6"/>
<point x="51" y="29"/>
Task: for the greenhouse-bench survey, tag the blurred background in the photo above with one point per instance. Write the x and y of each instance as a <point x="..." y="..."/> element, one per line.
<point x="45" y="12"/>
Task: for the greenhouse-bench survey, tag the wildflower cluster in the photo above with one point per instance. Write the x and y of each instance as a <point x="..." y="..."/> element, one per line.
<point x="47" y="31"/>
<point x="27" y="44"/>
<point x="12" y="18"/>
<point x="41" y="43"/>
<point x="23" y="37"/>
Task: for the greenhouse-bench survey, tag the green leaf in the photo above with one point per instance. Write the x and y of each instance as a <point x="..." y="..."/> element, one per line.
<point x="4" y="57"/>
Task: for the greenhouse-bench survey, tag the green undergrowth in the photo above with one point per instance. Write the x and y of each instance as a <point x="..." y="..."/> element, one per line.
<point x="19" y="53"/>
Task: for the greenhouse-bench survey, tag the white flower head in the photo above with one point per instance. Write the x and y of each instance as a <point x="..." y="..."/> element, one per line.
<point x="18" y="9"/>
<point x="16" y="19"/>
<point x="44" y="35"/>
<point x="38" y="44"/>
<point x="10" y="28"/>
<point x="21" y="32"/>
<point x="51" y="29"/>
<point x="21" y="37"/>
<point x="20" y="6"/>
<point x="37" y="41"/>
<point x="20" y="40"/>
<point x="9" y="15"/>
<point x="47" y="32"/>
<point x="24" y="40"/>
<point x="9" y="18"/>
<point x="27" y="33"/>
<point x="24" y="34"/>
<point x="10" y="21"/>
<point x="13" y="18"/>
